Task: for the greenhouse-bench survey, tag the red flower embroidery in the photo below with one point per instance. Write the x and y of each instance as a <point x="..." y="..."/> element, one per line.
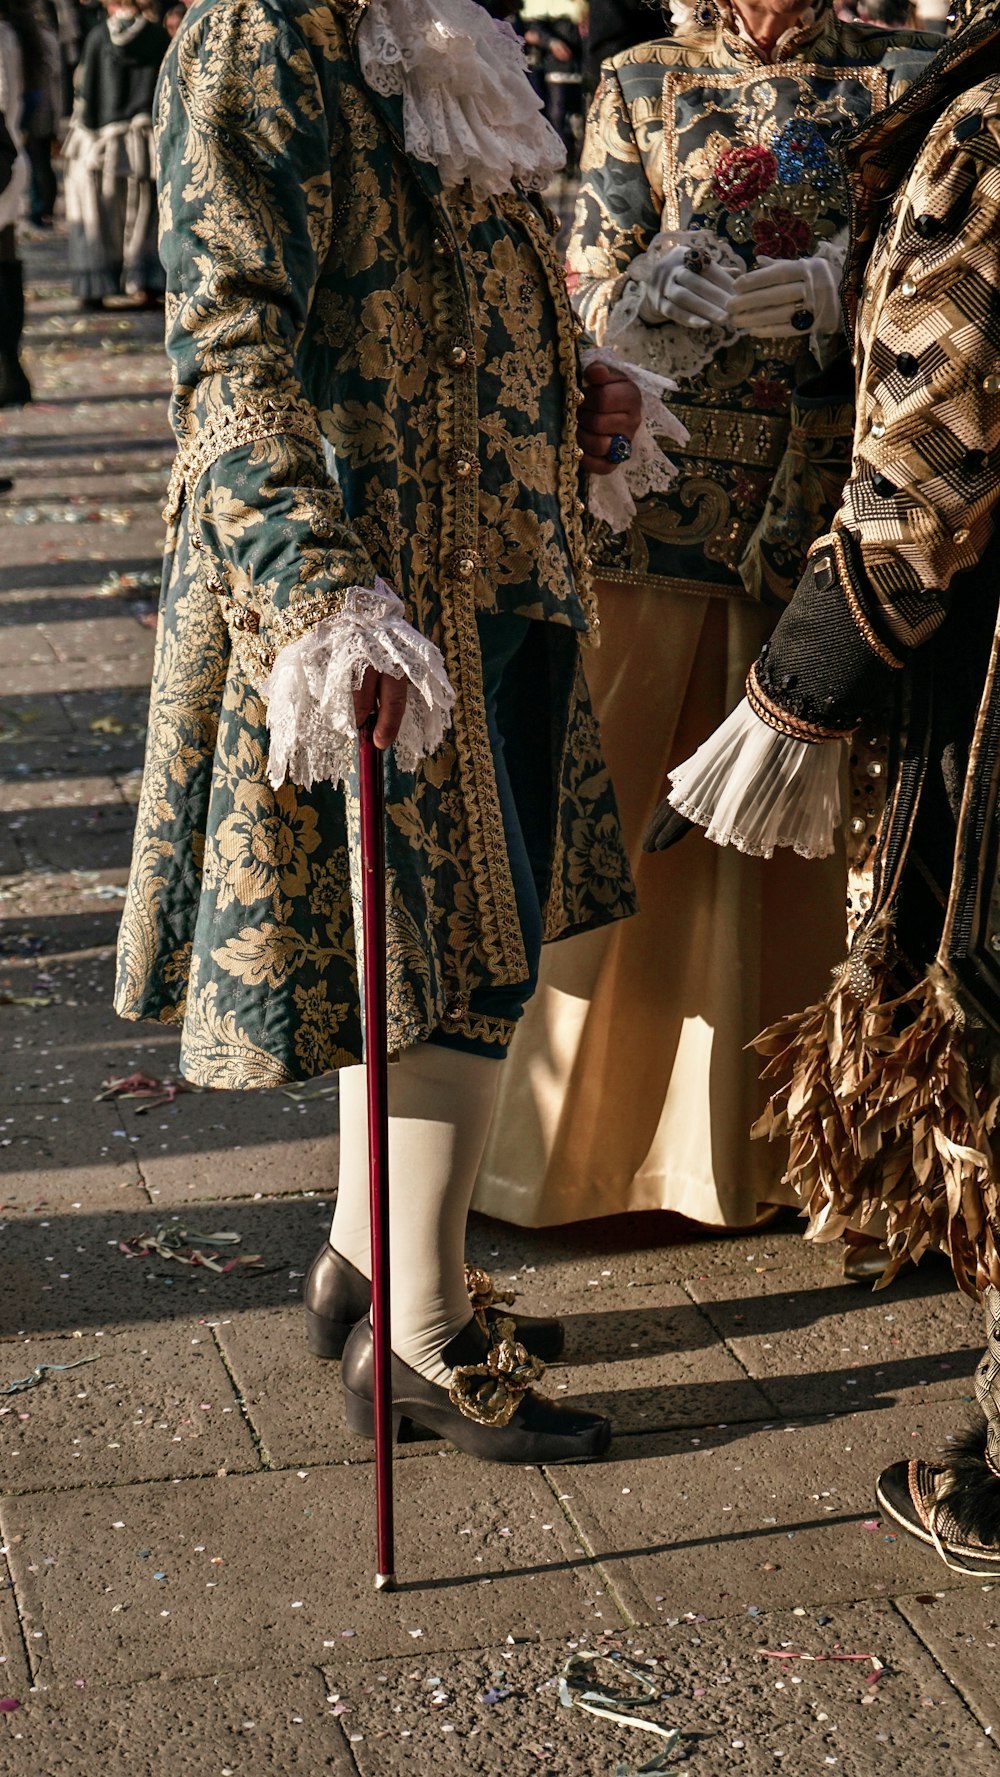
<point x="743" y="175"/>
<point x="750" y="489"/>
<point x="769" y="394"/>
<point x="781" y="235"/>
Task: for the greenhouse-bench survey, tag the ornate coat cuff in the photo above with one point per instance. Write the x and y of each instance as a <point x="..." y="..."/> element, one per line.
<point x="828" y="661"/>
<point x="310" y="691"/>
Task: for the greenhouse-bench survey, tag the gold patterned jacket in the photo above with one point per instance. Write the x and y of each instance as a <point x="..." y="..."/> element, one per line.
<point x="324" y="295"/>
<point x="699" y="133"/>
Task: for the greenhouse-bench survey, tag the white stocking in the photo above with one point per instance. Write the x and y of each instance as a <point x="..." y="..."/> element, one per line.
<point x="440" y="1106"/>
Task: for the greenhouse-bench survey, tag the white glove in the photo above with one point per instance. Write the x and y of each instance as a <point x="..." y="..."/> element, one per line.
<point x="683" y="285"/>
<point x="784" y="297"/>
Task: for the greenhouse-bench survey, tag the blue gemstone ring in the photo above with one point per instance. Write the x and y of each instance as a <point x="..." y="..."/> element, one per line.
<point x="620" y="448"/>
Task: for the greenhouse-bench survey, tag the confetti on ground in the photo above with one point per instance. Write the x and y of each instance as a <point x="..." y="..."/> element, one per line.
<point x="177" y="1243"/>
<point x="877" y="1665"/>
<point x="156" y="1092"/>
<point x="40" y="1372"/>
<point x="574" y="1693"/>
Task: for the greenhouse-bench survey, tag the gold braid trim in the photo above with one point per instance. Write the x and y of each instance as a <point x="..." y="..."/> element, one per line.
<point x="861" y="622"/>
<point x="459" y="568"/>
<point x="775" y="717"/>
<point x="249" y="420"/>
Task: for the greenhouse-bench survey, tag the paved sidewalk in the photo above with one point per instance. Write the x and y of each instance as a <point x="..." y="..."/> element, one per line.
<point x="185" y="1576"/>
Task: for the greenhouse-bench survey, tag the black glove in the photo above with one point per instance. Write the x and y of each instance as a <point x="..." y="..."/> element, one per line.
<point x="665" y="828"/>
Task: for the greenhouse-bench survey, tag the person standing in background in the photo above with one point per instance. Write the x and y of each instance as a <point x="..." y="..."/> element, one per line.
<point x="22" y="72"/>
<point x="110" y="189"/>
<point x="708" y="244"/>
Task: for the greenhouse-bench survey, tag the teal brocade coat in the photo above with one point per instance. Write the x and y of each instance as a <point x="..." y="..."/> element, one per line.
<point x="321" y="290"/>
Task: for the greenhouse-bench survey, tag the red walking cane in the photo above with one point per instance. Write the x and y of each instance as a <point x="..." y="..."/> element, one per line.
<point x="376" y="1059"/>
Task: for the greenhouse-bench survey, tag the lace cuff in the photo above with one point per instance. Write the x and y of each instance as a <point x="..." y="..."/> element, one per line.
<point x="613" y="497"/>
<point x="751" y="787"/>
<point x="310" y="690"/>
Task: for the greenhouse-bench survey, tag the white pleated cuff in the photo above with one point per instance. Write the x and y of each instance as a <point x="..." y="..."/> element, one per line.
<point x="612" y="497"/>
<point x="756" y="789"/>
<point x="310" y="691"/>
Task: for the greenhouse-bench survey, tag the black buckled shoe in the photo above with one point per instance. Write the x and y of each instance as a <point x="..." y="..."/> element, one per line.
<point x="490" y="1411"/>
<point x="337" y="1295"/>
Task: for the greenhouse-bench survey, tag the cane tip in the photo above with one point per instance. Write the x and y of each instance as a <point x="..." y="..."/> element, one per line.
<point x="385" y="1582"/>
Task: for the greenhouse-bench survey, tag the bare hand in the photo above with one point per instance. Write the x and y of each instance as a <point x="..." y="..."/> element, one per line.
<point x="611" y="404"/>
<point x="381" y="692"/>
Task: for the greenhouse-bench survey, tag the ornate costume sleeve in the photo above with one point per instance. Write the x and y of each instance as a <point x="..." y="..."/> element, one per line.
<point x="616" y="214"/>
<point x="919" y="506"/>
<point x="246" y="195"/>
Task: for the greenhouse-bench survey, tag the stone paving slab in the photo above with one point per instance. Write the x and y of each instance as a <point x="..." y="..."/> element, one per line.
<point x="100" y="836"/>
<point x="156" y="1403"/>
<point x="85" y="791"/>
<point x="278" y="1568"/>
<point x="113" y="1291"/>
<point x="961" y="1631"/>
<point x="814" y="1344"/>
<point x="214" y="1145"/>
<point x="65" y="1156"/>
<point x="116" y="633"/>
<point x="755" y="1517"/>
<point x="615" y="1253"/>
<point x="239" y="1726"/>
<point x="292" y="1399"/>
<point x="649" y="1359"/>
<point x="71" y="1056"/>
<point x="15" y="1677"/>
<point x="82" y="681"/>
<point x="738" y="1713"/>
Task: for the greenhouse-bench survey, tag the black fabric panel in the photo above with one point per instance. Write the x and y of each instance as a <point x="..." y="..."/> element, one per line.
<point x="818" y="666"/>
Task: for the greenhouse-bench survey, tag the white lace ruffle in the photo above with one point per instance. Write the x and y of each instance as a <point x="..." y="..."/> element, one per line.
<point x="668" y="348"/>
<point x="468" y="105"/>
<point x="754" y="788"/>
<point x="310" y="703"/>
<point x="613" y="497"/>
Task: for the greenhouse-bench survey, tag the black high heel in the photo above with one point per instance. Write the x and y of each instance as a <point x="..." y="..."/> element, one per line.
<point x="337" y="1295"/>
<point x="535" y="1431"/>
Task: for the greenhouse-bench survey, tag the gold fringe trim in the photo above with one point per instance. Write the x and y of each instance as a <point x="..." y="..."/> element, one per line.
<point x="883" y="1113"/>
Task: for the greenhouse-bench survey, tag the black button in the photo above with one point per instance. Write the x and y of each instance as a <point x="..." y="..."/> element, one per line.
<point x="973" y="461"/>
<point x="968" y="126"/>
<point x="928" y="226"/>
<point x="883" y="486"/>
<point x="907" y="364"/>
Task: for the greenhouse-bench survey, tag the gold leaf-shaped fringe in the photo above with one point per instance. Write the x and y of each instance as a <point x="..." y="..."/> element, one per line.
<point x="484" y="1295"/>
<point x="491" y="1392"/>
<point x="884" y="1112"/>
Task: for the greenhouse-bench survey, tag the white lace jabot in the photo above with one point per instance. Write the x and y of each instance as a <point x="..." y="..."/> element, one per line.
<point x="468" y="105"/>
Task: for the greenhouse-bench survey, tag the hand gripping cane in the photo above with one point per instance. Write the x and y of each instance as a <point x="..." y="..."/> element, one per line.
<point x="376" y="1060"/>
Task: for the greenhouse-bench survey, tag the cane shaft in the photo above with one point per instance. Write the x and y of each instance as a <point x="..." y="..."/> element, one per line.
<point x="376" y="1058"/>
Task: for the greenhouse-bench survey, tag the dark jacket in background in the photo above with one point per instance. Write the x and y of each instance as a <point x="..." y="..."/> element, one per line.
<point x="620" y="24"/>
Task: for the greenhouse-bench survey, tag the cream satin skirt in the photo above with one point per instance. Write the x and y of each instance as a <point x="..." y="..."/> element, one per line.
<point x="629" y="1085"/>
